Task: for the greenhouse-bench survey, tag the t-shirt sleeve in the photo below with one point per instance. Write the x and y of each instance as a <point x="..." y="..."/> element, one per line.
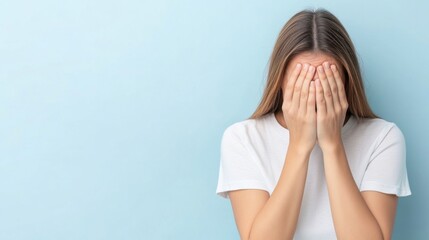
<point x="387" y="171"/>
<point x="238" y="170"/>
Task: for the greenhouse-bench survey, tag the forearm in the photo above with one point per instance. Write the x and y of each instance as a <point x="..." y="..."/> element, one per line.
<point x="351" y="215"/>
<point x="278" y="218"/>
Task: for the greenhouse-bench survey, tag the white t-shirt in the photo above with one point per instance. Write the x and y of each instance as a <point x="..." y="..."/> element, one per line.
<point x="253" y="152"/>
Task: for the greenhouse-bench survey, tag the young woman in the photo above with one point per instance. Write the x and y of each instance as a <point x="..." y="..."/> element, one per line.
<point x="313" y="161"/>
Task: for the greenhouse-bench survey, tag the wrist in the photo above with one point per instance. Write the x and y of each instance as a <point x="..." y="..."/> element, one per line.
<point x="332" y="148"/>
<point x="300" y="148"/>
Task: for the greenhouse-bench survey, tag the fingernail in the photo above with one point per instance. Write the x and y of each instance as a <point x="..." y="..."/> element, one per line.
<point x="333" y="67"/>
<point x="311" y="68"/>
<point x="319" y="68"/>
<point x="298" y="65"/>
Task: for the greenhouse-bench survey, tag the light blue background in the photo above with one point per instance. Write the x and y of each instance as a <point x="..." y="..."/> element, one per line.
<point x="111" y="112"/>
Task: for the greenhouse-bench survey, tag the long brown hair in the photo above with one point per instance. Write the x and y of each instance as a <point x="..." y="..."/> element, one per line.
<point x="314" y="31"/>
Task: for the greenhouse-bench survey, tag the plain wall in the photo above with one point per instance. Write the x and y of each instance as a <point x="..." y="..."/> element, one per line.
<point x="112" y="112"/>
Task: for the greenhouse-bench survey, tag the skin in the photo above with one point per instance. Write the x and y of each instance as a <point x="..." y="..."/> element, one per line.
<point x="315" y="84"/>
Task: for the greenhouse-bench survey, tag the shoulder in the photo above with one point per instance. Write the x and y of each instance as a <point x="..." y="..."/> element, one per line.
<point x="378" y="129"/>
<point x="244" y="128"/>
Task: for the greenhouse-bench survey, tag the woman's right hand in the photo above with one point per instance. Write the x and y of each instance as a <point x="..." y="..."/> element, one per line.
<point x="299" y="107"/>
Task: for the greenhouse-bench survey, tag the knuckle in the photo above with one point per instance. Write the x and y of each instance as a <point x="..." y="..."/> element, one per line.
<point x="328" y="94"/>
<point x="338" y="111"/>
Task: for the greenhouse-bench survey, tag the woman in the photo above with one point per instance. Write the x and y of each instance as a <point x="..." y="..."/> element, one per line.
<point x="313" y="161"/>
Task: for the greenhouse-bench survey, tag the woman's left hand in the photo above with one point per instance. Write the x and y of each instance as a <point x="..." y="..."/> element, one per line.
<point x="331" y="104"/>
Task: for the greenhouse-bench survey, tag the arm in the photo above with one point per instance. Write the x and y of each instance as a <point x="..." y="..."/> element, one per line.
<point x="278" y="217"/>
<point x="353" y="217"/>
<point x="368" y="215"/>
<point x="259" y="216"/>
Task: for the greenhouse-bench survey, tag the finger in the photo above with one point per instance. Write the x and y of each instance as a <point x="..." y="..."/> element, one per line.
<point x="341" y="89"/>
<point x="297" y="88"/>
<point x="326" y="89"/>
<point x="311" y="102"/>
<point x="320" y="100"/>
<point x="333" y="85"/>
<point x="290" y="83"/>
<point x="305" y="86"/>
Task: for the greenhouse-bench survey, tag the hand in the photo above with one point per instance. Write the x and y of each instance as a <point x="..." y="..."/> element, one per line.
<point x="299" y="107"/>
<point x="332" y="105"/>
